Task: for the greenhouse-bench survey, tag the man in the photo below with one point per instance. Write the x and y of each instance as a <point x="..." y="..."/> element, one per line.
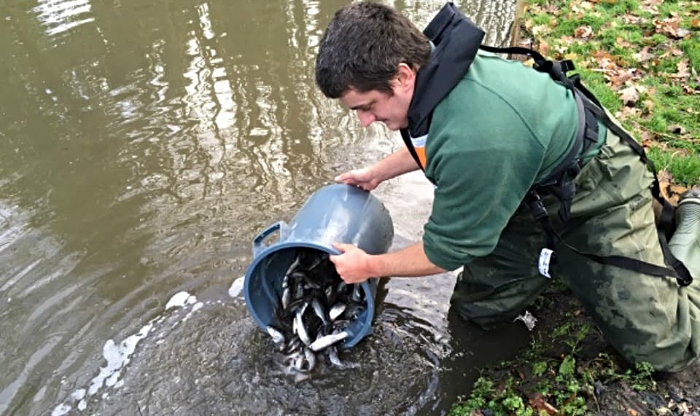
<point x="487" y="132"/>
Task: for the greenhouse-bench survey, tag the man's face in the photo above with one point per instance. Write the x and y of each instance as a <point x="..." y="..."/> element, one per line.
<point x="390" y="109"/>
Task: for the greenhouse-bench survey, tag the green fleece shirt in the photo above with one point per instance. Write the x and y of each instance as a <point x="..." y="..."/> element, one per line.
<point x="502" y="128"/>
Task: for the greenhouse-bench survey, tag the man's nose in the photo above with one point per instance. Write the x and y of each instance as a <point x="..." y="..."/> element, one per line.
<point x="366" y="118"/>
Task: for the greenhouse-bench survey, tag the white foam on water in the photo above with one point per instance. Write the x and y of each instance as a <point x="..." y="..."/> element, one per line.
<point x="61" y="410"/>
<point x="180" y="299"/>
<point x="197" y="306"/>
<point x="236" y="289"/>
<point x="119" y="355"/>
<point x="78" y="394"/>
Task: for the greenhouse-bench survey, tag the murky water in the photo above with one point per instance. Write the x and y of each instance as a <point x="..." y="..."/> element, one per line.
<point x="143" y="144"/>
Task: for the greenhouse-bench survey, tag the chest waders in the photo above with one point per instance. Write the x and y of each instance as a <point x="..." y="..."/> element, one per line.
<point x="560" y="182"/>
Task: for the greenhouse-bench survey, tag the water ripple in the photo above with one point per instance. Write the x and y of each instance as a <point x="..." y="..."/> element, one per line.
<point x="59" y="16"/>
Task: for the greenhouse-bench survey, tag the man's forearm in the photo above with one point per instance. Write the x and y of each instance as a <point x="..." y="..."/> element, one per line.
<point x="395" y="164"/>
<point x="408" y="262"/>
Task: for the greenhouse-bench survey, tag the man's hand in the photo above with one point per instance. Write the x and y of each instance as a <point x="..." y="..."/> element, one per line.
<point x="352" y="264"/>
<point x="362" y="178"/>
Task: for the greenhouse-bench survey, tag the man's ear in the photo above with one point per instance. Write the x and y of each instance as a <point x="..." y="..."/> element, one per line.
<point x="405" y="77"/>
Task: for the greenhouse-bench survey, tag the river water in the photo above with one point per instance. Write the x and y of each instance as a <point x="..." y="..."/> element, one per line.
<point x="143" y="145"/>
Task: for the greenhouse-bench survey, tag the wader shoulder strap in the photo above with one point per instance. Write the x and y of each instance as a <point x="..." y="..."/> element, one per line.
<point x="412" y="150"/>
<point x="557" y="71"/>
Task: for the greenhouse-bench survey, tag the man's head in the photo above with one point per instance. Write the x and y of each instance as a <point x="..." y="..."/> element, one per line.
<point x="368" y="58"/>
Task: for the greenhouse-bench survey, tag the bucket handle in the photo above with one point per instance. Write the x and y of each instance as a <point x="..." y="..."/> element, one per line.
<point x="258" y="241"/>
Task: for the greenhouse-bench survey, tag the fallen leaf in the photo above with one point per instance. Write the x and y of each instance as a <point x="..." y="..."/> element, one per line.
<point x="683" y="32"/>
<point x="647" y="140"/>
<point x="540" y="30"/>
<point x="583" y="32"/>
<point x="630" y="19"/>
<point x="626" y="112"/>
<point x="566" y="40"/>
<point x="618" y="78"/>
<point x="648" y="105"/>
<point x="663" y="411"/>
<point x="539" y="404"/>
<point x="672" y="51"/>
<point x="551" y="9"/>
<point x="632" y="412"/>
<point x="529" y="23"/>
<point x="670" y="27"/>
<point x="643" y="55"/>
<point x="629" y="96"/>
<point x="665" y="176"/>
<point x="683" y="69"/>
<point x="622" y="43"/>
<point x="649" y="6"/>
<point x="544" y="48"/>
<point x="604" y="60"/>
<point x="671" y="192"/>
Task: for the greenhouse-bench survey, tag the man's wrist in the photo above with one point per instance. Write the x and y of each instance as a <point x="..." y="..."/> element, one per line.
<point x="373" y="266"/>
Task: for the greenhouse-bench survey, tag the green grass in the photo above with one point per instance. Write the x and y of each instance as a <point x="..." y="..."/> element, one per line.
<point x="632" y="36"/>
<point x="547" y="383"/>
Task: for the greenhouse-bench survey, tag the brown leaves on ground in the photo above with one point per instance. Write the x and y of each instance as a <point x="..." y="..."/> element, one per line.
<point x="671" y="28"/>
<point x="683" y="69"/>
<point x="624" y="73"/>
<point x="540" y="405"/>
<point x="621" y="75"/>
<point x="583" y="32"/>
<point x="629" y="96"/>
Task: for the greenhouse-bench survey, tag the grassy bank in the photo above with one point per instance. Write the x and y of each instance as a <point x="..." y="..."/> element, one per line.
<point x="641" y="58"/>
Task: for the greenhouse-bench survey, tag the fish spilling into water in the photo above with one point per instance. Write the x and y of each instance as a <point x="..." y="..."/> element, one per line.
<point x="314" y="312"/>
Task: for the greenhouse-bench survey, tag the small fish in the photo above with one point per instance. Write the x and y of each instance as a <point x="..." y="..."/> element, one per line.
<point x="299" y="292"/>
<point x="293" y="266"/>
<point x="294" y="360"/>
<point x="334" y="358"/>
<point x="328" y="340"/>
<point x="320" y="312"/>
<point x="300" y="328"/>
<point x="331" y="294"/>
<point x="293" y="346"/>
<point x="310" y="359"/>
<point x="336" y="310"/>
<point x="316" y="262"/>
<point x="286" y="297"/>
<point x="302" y="362"/>
<point x="357" y="293"/>
<point x="276" y="334"/>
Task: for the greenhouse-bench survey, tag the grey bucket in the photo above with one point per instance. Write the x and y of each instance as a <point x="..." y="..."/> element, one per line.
<point x="334" y="213"/>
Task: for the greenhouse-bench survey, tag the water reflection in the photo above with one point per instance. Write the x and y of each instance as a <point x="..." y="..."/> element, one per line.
<point x="142" y="145"/>
<point x="58" y="16"/>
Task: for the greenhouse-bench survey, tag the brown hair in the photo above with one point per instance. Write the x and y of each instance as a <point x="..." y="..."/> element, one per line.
<point x="363" y="47"/>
